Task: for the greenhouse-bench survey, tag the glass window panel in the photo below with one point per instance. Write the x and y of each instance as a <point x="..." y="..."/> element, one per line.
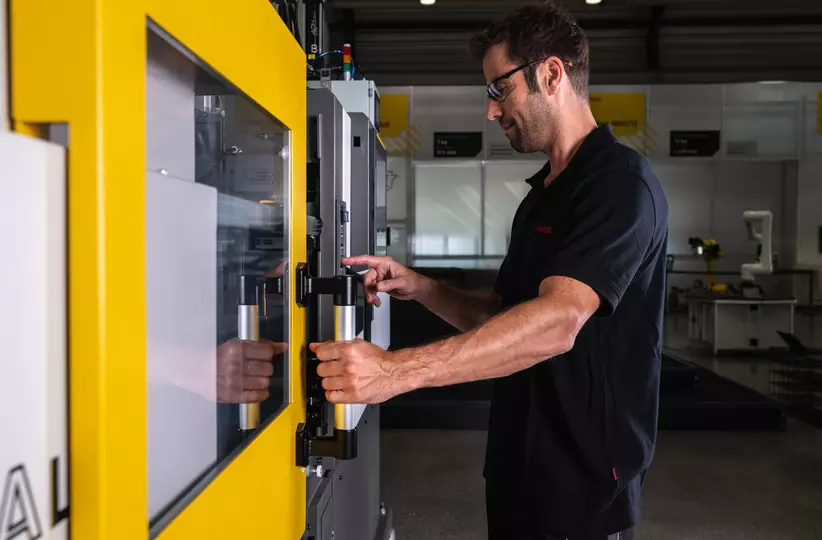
<point x="398" y="245"/>
<point x="447" y="209"/>
<point x="217" y="210"/>
<point x="397" y="187"/>
<point x="762" y="130"/>
<point x="505" y="187"/>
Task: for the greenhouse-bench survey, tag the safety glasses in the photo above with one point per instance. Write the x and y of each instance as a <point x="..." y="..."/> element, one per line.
<point x="502" y="86"/>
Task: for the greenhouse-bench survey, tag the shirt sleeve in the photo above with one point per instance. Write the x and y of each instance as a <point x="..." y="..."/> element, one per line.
<point x="610" y="232"/>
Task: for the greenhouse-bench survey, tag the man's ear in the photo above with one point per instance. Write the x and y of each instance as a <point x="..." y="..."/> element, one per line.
<point x="551" y="74"/>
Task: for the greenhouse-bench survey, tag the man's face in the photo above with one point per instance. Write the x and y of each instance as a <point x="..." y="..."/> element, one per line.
<point x="525" y="117"/>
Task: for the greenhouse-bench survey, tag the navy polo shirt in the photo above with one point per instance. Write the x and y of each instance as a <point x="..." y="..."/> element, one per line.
<point x="570" y="439"/>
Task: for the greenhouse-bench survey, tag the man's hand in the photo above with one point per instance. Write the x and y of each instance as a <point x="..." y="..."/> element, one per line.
<point x="388" y="276"/>
<point x="244" y="369"/>
<point x="355" y="372"/>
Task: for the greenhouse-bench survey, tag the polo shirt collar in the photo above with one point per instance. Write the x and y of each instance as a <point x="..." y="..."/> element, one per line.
<point x="599" y="138"/>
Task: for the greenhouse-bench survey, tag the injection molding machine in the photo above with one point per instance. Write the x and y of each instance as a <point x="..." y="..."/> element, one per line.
<point x="209" y="199"/>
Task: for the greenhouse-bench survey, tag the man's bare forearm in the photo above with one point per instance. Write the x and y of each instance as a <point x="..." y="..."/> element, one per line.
<point x="464" y="310"/>
<point x="509" y="342"/>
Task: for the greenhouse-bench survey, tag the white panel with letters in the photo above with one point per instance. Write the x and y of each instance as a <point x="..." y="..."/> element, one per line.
<point x="33" y="394"/>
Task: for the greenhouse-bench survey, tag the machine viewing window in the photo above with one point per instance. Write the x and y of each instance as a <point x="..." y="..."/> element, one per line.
<point x="217" y="251"/>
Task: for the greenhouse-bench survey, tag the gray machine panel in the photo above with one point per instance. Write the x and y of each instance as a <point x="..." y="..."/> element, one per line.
<point x="320" y="511"/>
<point x="368" y="188"/>
<point x="345" y="174"/>
<point x="363" y="203"/>
<point x="357" y="508"/>
<point x="333" y="131"/>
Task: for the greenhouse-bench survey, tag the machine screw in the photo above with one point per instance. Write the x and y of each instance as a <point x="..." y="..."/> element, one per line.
<point x="316" y="470"/>
<point x="285" y="152"/>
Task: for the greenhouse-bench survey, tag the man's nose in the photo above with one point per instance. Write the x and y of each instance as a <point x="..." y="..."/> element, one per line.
<point x="494" y="110"/>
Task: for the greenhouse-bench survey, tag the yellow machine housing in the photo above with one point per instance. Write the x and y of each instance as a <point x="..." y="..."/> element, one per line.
<point x="83" y="63"/>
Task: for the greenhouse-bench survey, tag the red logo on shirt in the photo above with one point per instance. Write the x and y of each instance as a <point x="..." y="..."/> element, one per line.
<point x="544" y="229"/>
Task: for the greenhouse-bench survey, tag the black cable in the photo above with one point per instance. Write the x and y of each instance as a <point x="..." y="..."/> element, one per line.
<point x="294" y="18"/>
<point x="287" y="10"/>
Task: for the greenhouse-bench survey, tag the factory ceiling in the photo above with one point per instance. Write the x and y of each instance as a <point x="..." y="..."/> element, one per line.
<point x="401" y="42"/>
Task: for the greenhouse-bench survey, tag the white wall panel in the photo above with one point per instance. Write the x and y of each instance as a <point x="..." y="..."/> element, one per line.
<point x="447" y="209"/>
<point x="707" y="199"/>
<point x="505" y="187"/>
<point x="618" y="88"/>
<point x="767" y="92"/>
<point x="744" y="186"/>
<point x="449" y="108"/>
<point x="809" y="211"/>
<point x="398" y="169"/>
<point x="689" y="187"/>
<point x="683" y="108"/>
<point x="812" y="137"/>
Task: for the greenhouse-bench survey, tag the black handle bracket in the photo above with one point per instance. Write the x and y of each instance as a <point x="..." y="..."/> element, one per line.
<point x="343" y="287"/>
<point x="341" y="445"/>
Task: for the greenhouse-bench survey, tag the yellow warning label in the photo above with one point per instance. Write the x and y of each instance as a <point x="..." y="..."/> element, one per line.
<point x="625" y="112"/>
<point x="400" y="137"/>
<point x="393" y="114"/>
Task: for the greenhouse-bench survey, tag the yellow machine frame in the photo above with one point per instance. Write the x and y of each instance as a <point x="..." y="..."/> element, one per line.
<point x="84" y="63"/>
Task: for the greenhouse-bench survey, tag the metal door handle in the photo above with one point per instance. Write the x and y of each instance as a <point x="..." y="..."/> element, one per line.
<point x="248" y="328"/>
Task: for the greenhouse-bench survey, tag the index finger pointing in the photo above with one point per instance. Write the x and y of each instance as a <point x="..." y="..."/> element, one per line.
<point x="366" y="260"/>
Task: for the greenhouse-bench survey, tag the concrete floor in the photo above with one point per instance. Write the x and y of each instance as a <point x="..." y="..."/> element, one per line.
<point x="702" y="485"/>
<point x="750" y="370"/>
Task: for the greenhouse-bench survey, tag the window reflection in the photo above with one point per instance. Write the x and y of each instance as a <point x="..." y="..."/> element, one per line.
<point x="216" y="217"/>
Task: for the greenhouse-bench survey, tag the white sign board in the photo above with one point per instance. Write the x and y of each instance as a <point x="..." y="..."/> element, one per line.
<point x="33" y="396"/>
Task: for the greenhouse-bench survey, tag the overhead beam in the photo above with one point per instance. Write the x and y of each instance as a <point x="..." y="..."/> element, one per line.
<point x="595" y="23"/>
<point x="654" y="30"/>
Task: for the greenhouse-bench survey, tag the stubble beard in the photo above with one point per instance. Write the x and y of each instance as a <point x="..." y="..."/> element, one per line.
<point x="531" y="132"/>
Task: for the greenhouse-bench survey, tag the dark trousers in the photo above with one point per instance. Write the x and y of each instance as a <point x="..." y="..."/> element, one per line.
<point x="507" y="521"/>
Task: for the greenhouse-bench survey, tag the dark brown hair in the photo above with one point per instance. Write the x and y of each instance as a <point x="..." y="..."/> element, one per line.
<point x="535" y="31"/>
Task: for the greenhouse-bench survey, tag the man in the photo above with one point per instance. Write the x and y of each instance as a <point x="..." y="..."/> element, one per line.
<point x="572" y="330"/>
